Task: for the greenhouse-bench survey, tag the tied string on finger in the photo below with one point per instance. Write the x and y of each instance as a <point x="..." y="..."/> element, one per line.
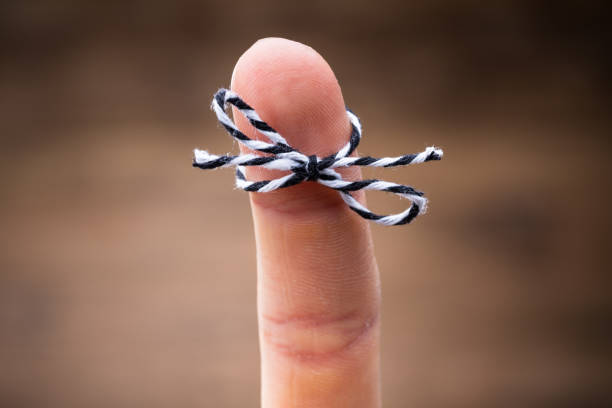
<point x="310" y="168"/>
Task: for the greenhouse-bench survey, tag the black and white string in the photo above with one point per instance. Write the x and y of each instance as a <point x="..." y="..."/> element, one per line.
<point x="310" y="168"/>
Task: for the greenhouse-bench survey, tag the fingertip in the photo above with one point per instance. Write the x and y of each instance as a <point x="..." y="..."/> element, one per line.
<point x="295" y="91"/>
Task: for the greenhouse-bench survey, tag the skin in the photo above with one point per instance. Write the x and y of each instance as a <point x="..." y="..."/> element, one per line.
<point x="318" y="282"/>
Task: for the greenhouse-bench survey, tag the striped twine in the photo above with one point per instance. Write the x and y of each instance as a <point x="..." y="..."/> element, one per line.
<point x="281" y="156"/>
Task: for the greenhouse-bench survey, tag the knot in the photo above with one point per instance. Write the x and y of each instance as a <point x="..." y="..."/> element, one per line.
<point x="281" y="156"/>
<point x="312" y="169"/>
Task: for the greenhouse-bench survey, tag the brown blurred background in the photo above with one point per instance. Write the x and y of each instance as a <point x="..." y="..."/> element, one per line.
<point x="121" y="284"/>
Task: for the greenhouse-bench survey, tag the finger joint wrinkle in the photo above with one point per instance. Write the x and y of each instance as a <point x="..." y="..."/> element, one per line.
<point x="318" y="338"/>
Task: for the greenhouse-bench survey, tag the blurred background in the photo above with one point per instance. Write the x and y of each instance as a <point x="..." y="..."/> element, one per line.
<point x="114" y="293"/>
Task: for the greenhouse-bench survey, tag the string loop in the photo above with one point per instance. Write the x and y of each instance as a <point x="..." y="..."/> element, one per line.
<point x="282" y="156"/>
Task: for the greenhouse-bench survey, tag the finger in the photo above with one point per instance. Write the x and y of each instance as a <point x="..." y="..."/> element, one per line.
<point x="318" y="284"/>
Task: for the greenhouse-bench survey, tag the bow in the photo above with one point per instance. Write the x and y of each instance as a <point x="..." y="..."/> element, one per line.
<point x="310" y="168"/>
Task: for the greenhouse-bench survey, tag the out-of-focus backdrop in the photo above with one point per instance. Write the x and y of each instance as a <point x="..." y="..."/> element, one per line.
<point x="127" y="278"/>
